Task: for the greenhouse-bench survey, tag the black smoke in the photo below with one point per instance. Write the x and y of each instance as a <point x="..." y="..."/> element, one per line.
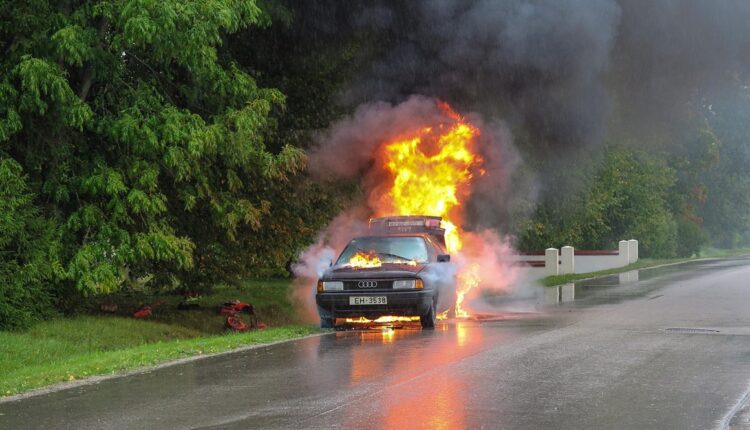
<point x="537" y="65"/>
<point x="558" y="76"/>
<point x="553" y="69"/>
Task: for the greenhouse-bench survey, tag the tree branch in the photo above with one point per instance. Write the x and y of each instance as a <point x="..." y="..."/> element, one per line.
<point x="88" y="71"/>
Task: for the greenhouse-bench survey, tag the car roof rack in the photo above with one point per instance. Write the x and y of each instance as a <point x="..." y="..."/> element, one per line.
<point x="412" y="224"/>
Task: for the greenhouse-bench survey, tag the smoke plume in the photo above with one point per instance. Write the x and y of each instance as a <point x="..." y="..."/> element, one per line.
<point x="546" y="81"/>
<point x="352" y="149"/>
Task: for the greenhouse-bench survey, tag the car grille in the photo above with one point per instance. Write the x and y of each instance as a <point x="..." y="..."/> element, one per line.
<point x="367" y="284"/>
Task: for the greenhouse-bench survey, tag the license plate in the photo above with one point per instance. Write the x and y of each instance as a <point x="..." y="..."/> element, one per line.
<point x="368" y="300"/>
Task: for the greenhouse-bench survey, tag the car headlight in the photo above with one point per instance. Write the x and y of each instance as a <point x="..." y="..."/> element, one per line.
<point x="407" y="284"/>
<point x="332" y="285"/>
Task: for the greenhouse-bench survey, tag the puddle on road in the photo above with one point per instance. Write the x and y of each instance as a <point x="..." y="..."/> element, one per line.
<point x="610" y="289"/>
<point x="586" y="289"/>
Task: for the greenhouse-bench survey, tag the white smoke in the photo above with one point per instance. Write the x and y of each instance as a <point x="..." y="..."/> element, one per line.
<point x="318" y="257"/>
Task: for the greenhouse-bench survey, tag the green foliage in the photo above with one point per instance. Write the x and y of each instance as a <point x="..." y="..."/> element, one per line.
<point x="693" y="191"/>
<point x="725" y="214"/>
<point x="28" y="254"/>
<point x="146" y="141"/>
<point x="626" y="197"/>
<point x="690" y="238"/>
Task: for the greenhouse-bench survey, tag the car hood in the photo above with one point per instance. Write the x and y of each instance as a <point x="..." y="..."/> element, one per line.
<point x="387" y="270"/>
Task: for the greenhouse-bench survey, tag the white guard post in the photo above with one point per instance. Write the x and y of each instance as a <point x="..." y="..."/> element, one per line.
<point x="551" y="262"/>
<point x="633" y="250"/>
<point x="624" y="250"/>
<point x="567" y="262"/>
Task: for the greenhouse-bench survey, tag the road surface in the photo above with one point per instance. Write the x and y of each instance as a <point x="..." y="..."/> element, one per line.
<point x="668" y="351"/>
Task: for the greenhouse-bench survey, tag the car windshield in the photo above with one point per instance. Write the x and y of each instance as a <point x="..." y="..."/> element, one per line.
<point x="388" y="249"/>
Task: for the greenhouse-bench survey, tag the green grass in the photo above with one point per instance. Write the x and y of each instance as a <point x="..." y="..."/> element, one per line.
<point x="644" y="263"/>
<point x="723" y="253"/>
<point x="67" y="349"/>
<point x="551" y="281"/>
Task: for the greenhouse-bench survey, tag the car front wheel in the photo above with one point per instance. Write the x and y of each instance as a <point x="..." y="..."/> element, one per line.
<point x="326" y="322"/>
<point x="327" y="319"/>
<point x="428" y="320"/>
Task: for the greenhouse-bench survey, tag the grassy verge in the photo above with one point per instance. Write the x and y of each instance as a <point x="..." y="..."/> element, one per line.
<point x="551" y="281"/>
<point x="269" y="297"/>
<point x="723" y="253"/>
<point x="68" y="349"/>
<point x="643" y="263"/>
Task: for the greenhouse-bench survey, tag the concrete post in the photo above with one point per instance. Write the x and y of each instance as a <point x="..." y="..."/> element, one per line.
<point x="624" y="250"/>
<point x="551" y="262"/>
<point x="567" y="260"/>
<point x="633" y="250"/>
<point x="567" y="292"/>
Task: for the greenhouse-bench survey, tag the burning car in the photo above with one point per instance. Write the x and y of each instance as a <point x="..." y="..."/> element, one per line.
<point x="400" y="269"/>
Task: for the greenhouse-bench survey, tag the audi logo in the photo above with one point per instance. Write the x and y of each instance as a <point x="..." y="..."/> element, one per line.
<point x="367" y="284"/>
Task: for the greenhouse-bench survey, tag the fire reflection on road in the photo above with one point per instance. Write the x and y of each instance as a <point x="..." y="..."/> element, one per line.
<point x="387" y="378"/>
<point x="442" y="407"/>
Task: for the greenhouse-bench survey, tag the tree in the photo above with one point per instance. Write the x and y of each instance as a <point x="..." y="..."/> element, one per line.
<point x="28" y="252"/>
<point x="142" y="138"/>
<point x="726" y="212"/>
<point x="629" y="199"/>
<point x="626" y="196"/>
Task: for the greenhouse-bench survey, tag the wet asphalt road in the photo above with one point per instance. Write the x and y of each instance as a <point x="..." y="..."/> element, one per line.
<point x="597" y="356"/>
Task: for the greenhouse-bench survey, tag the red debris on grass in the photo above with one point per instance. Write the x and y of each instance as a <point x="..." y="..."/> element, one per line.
<point x="143" y="312"/>
<point x="235" y="306"/>
<point x="234" y="323"/>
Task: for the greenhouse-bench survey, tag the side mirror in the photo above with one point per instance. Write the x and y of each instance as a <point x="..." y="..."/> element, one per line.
<point x="443" y="258"/>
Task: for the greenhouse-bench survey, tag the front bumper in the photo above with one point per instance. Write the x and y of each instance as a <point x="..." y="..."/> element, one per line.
<point x="400" y="303"/>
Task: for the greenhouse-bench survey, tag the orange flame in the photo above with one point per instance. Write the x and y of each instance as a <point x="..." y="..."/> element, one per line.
<point x="382" y="320"/>
<point x="468" y="279"/>
<point x="362" y="260"/>
<point x="432" y="170"/>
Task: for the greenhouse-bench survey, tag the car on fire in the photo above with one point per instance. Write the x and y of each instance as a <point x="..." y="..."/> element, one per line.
<point x="401" y="268"/>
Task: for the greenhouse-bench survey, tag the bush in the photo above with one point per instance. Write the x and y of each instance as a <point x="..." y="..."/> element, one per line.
<point x="27" y="254"/>
<point x="690" y="238"/>
<point x="625" y="197"/>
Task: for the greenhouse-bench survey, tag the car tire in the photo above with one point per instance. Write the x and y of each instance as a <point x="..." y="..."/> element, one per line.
<point x="428" y="320"/>
<point x="327" y="318"/>
<point x="327" y="322"/>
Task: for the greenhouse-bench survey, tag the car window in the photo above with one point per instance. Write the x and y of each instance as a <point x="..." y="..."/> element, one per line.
<point x="388" y="249"/>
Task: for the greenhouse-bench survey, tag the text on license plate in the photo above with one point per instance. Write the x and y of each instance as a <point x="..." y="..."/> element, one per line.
<point x="368" y="300"/>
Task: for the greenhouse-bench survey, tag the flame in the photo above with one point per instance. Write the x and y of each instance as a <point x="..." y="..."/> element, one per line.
<point x="362" y="260"/>
<point x="382" y="320"/>
<point x="432" y="173"/>
<point x="432" y="170"/>
<point x="467" y="279"/>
